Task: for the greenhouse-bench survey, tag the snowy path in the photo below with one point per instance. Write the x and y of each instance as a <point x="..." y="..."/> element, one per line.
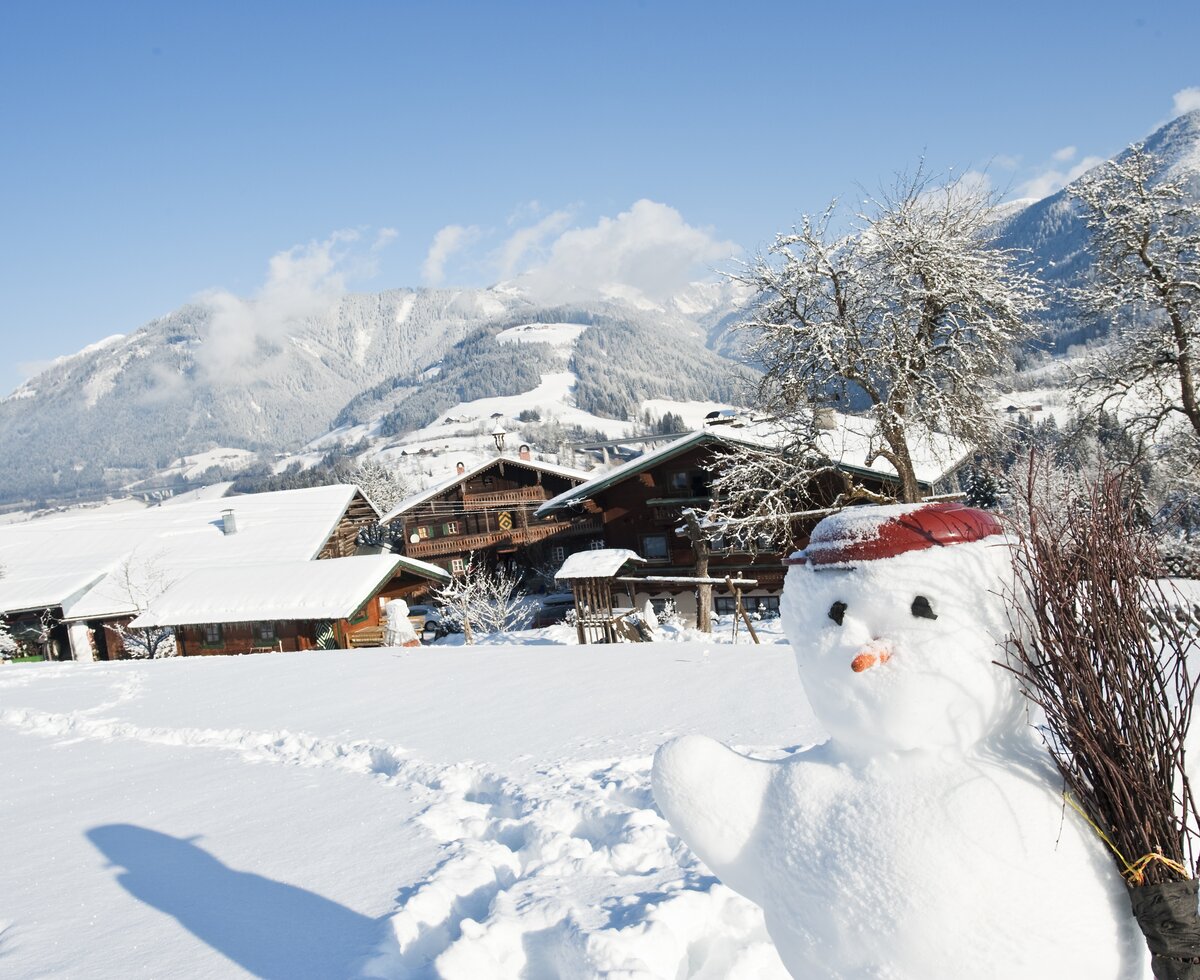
<point x="440" y="813"/>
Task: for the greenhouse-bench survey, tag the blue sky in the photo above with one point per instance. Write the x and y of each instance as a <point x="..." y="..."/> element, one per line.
<point x="154" y="152"/>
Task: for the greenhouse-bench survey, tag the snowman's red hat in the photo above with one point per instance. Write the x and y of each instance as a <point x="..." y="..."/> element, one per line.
<point x="860" y="534"/>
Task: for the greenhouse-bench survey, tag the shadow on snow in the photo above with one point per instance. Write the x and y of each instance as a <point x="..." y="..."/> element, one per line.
<point x="270" y="929"/>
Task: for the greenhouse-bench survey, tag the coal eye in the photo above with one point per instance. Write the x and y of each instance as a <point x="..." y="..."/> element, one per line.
<point x="922" y="609"/>
<point x="837" y="611"/>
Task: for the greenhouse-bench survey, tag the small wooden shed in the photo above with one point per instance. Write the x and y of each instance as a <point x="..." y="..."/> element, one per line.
<point x="590" y="575"/>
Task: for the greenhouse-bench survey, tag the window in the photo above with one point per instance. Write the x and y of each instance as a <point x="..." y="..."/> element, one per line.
<point x="762" y="606"/>
<point x="664" y="606"/>
<point x="655" y="547"/>
<point x="213" y="635"/>
<point x="266" y="631"/>
<point x="558" y="554"/>
<point x="690" y="483"/>
<point x="451" y="528"/>
<point x="457" y="566"/>
<point x="765" y="605"/>
<point x="424" y="532"/>
<point x="596" y="544"/>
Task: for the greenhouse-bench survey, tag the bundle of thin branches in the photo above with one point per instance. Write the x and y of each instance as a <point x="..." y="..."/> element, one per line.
<point x="1097" y="647"/>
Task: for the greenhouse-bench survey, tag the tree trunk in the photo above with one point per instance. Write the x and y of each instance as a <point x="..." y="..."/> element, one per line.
<point x="701" y="550"/>
<point x="900" y="457"/>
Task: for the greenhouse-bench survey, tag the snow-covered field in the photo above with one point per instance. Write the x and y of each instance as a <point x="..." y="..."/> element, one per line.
<point x="445" y="811"/>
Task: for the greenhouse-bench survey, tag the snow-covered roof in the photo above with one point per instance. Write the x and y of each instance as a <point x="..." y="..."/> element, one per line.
<point x="271" y="591"/>
<point x="430" y="492"/>
<point x="848" y="443"/>
<point x="90" y="562"/>
<point x="597" y="563"/>
<point x="29" y="593"/>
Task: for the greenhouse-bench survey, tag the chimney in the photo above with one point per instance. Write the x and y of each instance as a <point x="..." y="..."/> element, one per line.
<point x="460" y="468"/>
<point x="524" y="453"/>
<point x="228" y="522"/>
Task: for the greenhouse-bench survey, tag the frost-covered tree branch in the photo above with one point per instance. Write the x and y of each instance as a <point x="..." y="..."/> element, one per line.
<point x="139" y="581"/>
<point x="911" y="314"/>
<point x="759" y="493"/>
<point x="1145" y="233"/>
<point x="383" y="485"/>
<point x="482" y="601"/>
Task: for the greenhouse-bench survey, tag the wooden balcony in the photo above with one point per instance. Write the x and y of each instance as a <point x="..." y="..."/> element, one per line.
<point x="505" y="498"/>
<point x="458" y="544"/>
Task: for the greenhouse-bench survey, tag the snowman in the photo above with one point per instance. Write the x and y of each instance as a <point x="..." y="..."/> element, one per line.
<point x="928" y="838"/>
<point x="399" y="631"/>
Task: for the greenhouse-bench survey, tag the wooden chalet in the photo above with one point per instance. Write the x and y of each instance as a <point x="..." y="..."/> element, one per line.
<point x="280" y="606"/>
<point x="69" y="578"/>
<point x="640" y="506"/>
<point x="489" y="510"/>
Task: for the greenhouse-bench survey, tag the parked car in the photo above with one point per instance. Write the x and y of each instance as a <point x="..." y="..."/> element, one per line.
<point x="552" y="609"/>
<point x="426" y="619"/>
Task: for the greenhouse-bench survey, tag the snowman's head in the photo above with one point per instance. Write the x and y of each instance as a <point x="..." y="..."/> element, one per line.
<point x="896" y="619"/>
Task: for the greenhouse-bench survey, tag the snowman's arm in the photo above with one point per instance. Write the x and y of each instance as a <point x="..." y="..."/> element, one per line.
<point x="711" y="796"/>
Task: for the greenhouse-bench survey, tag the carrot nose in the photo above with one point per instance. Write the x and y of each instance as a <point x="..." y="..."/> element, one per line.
<point x="874" y="653"/>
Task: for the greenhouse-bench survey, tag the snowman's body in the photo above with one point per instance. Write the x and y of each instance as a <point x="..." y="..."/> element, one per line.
<point x="928" y="838"/>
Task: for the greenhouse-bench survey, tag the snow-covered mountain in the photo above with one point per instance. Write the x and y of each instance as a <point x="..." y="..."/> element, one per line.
<point x="1052" y="230"/>
<point x="227" y="374"/>
<point x="287" y="374"/>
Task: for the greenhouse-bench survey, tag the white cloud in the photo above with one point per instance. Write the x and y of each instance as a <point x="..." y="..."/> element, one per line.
<point x="1052" y="178"/>
<point x="1063" y="155"/>
<point x="451" y="239"/>
<point x="303" y="281"/>
<point x="1186" y="99"/>
<point x="383" y="238"/>
<point x="524" y="241"/>
<point x="647" y="252"/>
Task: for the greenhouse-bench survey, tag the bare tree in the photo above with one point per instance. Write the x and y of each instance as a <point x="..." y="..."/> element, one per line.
<point x="909" y="314"/>
<point x="139" y="581"/>
<point x="1145" y="233"/>
<point x="482" y="601"/>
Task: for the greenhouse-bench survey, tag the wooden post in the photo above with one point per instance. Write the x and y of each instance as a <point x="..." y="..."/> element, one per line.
<point x="740" y="610"/>
<point x="579" y="634"/>
<point x="737" y="602"/>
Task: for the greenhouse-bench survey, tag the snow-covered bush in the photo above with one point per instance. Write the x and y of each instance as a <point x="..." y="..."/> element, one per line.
<point x="8" y="646"/>
<point x="482" y="600"/>
<point x="670" y="615"/>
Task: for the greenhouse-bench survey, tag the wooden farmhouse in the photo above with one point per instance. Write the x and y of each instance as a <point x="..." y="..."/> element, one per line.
<point x="69" y="579"/>
<point x="288" y="605"/>
<point x="640" y="505"/>
<point x="489" y="510"/>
